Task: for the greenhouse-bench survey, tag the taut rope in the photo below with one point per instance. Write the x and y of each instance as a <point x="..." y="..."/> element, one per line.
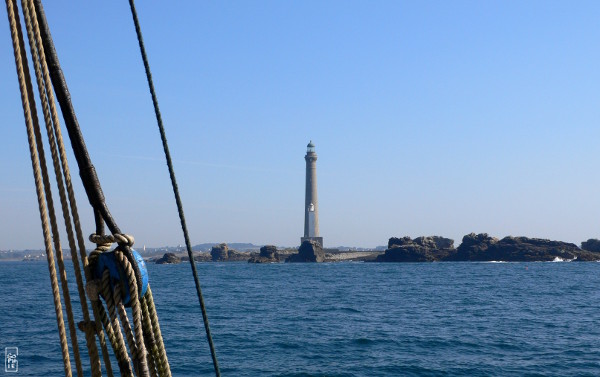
<point x="186" y="236"/>
<point x="54" y="134"/>
<point x="118" y="276"/>
<point x="31" y="122"/>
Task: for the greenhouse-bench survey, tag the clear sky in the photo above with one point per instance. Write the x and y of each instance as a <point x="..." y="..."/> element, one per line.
<point x="429" y="117"/>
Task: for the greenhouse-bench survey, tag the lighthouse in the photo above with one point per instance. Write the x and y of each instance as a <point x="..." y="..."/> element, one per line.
<point x="311" y="202"/>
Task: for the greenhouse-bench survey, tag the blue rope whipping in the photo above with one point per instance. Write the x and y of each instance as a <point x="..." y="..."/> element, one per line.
<point x="175" y="188"/>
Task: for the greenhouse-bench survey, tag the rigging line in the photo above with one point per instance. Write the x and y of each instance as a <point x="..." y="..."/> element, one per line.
<point x="35" y="55"/>
<point x="95" y="364"/>
<point x="30" y="116"/>
<point x="87" y="171"/>
<point x="56" y="146"/>
<point x="175" y="188"/>
<point x="118" y="343"/>
<point x="57" y="135"/>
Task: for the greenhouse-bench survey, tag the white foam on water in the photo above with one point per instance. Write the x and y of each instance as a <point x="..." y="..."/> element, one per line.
<point x="559" y="259"/>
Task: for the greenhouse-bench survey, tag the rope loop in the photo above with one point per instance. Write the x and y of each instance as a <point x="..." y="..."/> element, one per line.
<point x="108" y="239"/>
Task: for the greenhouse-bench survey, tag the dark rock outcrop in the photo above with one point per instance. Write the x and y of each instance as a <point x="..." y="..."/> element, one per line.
<point x="433" y="242"/>
<point x="237" y="256"/>
<point x="268" y="254"/>
<point x="309" y="251"/>
<point x="220" y="252"/>
<point x="198" y="257"/>
<point x="472" y="247"/>
<point x="168" y="258"/>
<point x="421" y="249"/>
<point x="481" y="247"/>
<point x="592" y="244"/>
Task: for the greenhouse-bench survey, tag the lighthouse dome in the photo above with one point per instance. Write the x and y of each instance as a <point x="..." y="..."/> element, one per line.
<point x="310" y="147"/>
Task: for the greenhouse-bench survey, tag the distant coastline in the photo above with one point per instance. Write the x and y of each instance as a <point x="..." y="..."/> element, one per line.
<point x="474" y="247"/>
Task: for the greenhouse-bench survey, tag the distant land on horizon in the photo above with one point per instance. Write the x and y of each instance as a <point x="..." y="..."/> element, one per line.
<point x="150" y="251"/>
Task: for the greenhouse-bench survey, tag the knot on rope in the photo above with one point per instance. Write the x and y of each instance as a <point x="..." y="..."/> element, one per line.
<point x="87" y="327"/>
<point x="101" y="240"/>
<point x="92" y="288"/>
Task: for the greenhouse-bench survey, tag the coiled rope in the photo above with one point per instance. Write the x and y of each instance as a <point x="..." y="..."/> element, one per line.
<point x="175" y="187"/>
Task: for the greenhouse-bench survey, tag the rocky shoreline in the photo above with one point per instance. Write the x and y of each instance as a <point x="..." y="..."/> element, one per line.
<point x="473" y="248"/>
<point x="483" y="248"/>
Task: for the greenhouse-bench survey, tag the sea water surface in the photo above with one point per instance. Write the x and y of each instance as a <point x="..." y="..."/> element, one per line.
<point x="344" y="319"/>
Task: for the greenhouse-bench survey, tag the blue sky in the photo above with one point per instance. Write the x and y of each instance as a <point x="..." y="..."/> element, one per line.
<point x="428" y="117"/>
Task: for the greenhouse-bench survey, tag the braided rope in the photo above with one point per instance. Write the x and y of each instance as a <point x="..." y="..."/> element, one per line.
<point x="143" y="362"/>
<point x="126" y="325"/>
<point x="96" y="306"/>
<point x="151" y="365"/>
<point x="112" y="338"/>
<point x="120" y="349"/>
<point x="137" y="314"/>
<point x="100" y="319"/>
<point x="157" y="334"/>
<point x="45" y="201"/>
<point x="108" y="239"/>
<point x="59" y="255"/>
<point x="28" y="109"/>
<point x="151" y="341"/>
<point x="58" y="149"/>
<point x="46" y="96"/>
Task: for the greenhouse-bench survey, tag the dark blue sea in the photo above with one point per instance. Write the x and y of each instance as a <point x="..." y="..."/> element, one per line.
<point x="345" y="319"/>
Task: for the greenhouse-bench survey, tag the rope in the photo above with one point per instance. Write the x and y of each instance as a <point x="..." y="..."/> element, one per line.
<point x="126" y="325"/>
<point x="106" y="240"/>
<point x="145" y="321"/>
<point x="87" y="171"/>
<point x="164" y="362"/>
<point x="175" y="188"/>
<point x="28" y="110"/>
<point x="93" y="288"/>
<point x="119" y="343"/>
<point x="102" y="321"/>
<point x="150" y="342"/>
<point x="140" y="351"/>
<point x="53" y="129"/>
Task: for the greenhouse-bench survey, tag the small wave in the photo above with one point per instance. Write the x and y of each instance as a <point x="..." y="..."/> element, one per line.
<point x="286" y="345"/>
<point x="559" y="259"/>
<point x="348" y="310"/>
<point x="362" y="341"/>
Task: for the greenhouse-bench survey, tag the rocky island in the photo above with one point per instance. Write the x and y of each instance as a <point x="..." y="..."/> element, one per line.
<point x="481" y="247"/>
<point x="421" y="249"/>
<point x="268" y="254"/>
<point x="474" y="247"/>
<point x="222" y="253"/>
<point x="168" y="258"/>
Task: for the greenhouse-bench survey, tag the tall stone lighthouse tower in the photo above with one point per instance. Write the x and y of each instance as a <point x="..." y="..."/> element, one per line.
<point x="311" y="202"/>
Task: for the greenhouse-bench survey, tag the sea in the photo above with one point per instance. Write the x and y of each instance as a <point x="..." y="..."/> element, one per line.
<point x="343" y="319"/>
